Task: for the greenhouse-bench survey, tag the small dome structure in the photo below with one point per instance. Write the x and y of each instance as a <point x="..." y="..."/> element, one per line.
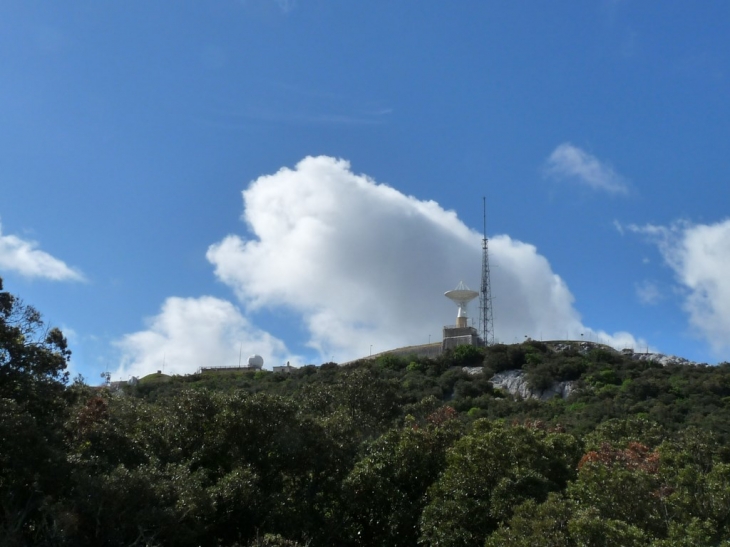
<point x="256" y="361"/>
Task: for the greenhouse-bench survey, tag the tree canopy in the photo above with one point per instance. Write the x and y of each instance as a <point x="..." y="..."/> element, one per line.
<point x="389" y="451"/>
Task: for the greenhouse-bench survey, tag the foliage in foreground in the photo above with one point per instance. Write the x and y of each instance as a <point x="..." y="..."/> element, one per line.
<point x="389" y="452"/>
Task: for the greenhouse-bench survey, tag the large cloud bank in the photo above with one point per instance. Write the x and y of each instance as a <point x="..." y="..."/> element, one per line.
<point x="699" y="255"/>
<point x="24" y="257"/>
<point x="363" y="264"/>
<point x="359" y="264"/>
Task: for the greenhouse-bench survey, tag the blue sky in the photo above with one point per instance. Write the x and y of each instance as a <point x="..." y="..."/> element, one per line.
<point x="363" y="137"/>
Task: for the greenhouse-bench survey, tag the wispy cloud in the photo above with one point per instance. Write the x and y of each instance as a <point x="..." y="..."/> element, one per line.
<point x="648" y="293"/>
<point x="699" y="255"/>
<point x="23" y="257"/>
<point x="570" y="163"/>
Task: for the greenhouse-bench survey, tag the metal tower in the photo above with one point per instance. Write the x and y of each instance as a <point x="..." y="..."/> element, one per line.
<point x="486" y="321"/>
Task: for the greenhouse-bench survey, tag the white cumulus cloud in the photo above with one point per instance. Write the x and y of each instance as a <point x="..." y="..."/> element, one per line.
<point x="568" y="162"/>
<point x="193" y="332"/>
<point x="362" y="264"/>
<point x="24" y="257"/>
<point x="699" y="255"/>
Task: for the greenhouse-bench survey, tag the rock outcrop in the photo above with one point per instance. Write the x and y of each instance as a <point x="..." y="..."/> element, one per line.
<point x="514" y="382"/>
<point x="662" y="359"/>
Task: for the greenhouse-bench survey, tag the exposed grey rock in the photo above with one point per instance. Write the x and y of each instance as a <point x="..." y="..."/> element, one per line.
<point x="472" y="370"/>
<point x="514" y="382"/>
<point x="584" y="347"/>
<point x="662" y="359"/>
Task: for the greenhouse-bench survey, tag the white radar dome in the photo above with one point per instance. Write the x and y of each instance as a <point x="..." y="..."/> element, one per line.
<point x="256" y="361"/>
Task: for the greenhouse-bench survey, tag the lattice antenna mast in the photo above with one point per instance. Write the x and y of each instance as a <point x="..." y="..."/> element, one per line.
<point x="486" y="321"/>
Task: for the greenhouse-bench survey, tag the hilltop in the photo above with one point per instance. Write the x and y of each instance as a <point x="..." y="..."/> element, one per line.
<point x="602" y="384"/>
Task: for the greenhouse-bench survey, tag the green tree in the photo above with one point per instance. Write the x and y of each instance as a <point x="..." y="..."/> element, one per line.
<point x="32" y="409"/>
<point x="386" y="490"/>
<point x="368" y="399"/>
<point x="623" y="485"/>
<point x="695" y="473"/>
<point x="465" y="355"/>
<point x="489" y="472"/>
<point x="621" y="432"/>
<point x="561" y="522"/>
<point x="32" y="359"/>
<point x="537" y="525"/>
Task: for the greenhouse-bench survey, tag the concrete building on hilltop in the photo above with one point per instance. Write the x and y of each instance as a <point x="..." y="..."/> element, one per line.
<point x="284" y="368"/>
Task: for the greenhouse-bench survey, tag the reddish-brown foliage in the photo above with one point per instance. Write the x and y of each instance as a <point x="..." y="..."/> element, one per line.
<point x="634" y="456"/>
<point x="95" y="410"/>
<point x="442" y="415"/>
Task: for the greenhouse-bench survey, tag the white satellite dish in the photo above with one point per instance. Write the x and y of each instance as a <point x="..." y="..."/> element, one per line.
<point x="461" y="296"/>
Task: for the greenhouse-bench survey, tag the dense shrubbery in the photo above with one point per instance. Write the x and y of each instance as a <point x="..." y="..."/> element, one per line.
<point x="393" y="451"/>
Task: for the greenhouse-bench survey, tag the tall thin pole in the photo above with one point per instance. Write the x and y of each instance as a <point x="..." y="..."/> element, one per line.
<point x="486" y="320"/>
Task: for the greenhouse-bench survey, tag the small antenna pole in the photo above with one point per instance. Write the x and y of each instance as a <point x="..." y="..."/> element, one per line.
<point x="240" y="351"/>
<point x="107" y="375"/>
<point x="486" y="321"/>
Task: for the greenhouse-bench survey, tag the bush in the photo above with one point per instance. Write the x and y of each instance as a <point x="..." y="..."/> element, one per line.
<point x="465" y="356"/>
<point x="517" y="356"/>
<point x="500" y="357"/>
<point x="540" y="378"/>
<point x="391" y="362"/>
<point x="571" y="369"/>
<point x="497" y="361"/>
<point x="413" y="366"/>
<point x="448" y="381"/>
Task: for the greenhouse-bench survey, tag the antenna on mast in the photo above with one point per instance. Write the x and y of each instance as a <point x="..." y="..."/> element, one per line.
<point x="486" y="321"/>
<point x="107" y="375"/>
